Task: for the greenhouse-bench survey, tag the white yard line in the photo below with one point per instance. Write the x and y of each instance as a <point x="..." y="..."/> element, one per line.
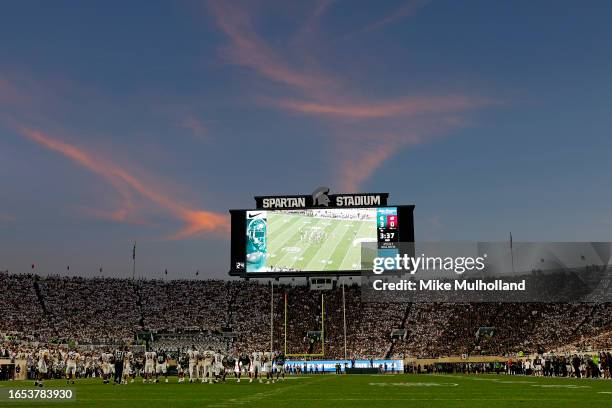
<point x="348" y="252"/>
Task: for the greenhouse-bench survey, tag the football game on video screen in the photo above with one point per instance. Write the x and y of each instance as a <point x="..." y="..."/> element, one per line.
<point x="316" y="239"/>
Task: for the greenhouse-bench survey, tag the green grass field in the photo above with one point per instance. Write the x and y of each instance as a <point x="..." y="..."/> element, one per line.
<point x="342" y="391"/>
<point x="339" y="250"/>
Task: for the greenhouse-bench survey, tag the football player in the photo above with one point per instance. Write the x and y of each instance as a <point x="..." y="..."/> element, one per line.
<point x="208" y="366"/>
<point x="43" y="364"/>
<point x="193" y="356"/>
<point x="268" y="358"/>
<point x="161" y="366"/>
<point x="255" y="368"/>
<point x="106" y="359"/>
<point x="149" y="367"/>
<point x="127" y="366"/>
<point x="279" y="362"/>
<point x="229" y="364"/>
<point x="72" y="357"/>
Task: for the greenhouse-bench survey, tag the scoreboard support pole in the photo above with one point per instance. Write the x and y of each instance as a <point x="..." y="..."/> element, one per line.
<point x="285" y="323"/>
<point x="272" y="317"/>
<point x="322" y="324"/>
<point x="344" y="316"/>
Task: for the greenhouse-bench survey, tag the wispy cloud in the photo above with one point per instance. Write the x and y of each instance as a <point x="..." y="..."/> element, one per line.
<point x="322" y="6"/>
<point x="327" y="96"/>
<point x="128" y="186"/>
<point x="361" y="162"/>
<point x="408" y="9"/>
<point x="195" y="126"/>
<point x="387" y="108"/>
<point x="249" y="49"/>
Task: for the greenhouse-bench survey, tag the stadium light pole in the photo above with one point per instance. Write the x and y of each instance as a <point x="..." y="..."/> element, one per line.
<point x="134" y="262"/>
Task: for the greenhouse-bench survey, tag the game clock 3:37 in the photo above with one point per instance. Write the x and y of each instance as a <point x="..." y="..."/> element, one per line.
<point x="387" y="225"/>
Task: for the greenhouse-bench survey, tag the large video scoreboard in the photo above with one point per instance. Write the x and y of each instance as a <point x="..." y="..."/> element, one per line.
<point x="315" y="235"/>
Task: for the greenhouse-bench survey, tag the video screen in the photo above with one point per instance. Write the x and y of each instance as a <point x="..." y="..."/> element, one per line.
<point x="316" y="239"/>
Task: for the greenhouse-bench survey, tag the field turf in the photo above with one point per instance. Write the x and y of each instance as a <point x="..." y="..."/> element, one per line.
<point x="341" y="391"/>
<point x="341" y="250"/>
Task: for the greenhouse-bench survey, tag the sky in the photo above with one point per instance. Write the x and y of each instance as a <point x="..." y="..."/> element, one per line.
<point x="146" y="121"/>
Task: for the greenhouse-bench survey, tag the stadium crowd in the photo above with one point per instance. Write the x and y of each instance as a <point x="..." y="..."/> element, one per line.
<point x="594" y="365"/>
<point x="105" y="311"/>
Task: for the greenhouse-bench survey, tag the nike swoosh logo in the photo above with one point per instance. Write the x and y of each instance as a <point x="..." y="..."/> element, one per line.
<point x="254" y="215"/>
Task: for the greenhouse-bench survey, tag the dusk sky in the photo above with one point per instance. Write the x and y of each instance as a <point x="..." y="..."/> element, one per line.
<point x="147" y="121"/>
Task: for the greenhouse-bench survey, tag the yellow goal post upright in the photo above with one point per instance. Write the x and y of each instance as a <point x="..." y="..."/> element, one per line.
<point x="307" y="355"/>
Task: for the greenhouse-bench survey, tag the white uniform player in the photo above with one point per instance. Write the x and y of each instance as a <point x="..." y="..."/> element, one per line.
<point x="208" y="366"/>
<point x="268" y="357"/>
<point x="43" y="360"/>
<point x="237" y="368"/>
<point x="42" y="365"/>
<point x="255" y="368"/>
<point x="72" y="358"/>
<point x="127" y="366"/>
<point x="219" y="369"/>
<point x="193" y="356"/>
<point x="106" y="366"/>
<point x="537" y="366"/>
<point x="149" y="366"/>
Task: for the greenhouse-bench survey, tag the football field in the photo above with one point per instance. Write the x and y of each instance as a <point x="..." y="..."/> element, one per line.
<point x="330" y="390"/>
<point x="315" y="243"/>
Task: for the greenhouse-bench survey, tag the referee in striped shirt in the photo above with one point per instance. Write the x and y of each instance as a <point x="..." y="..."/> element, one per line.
<point x="119" y="355"/>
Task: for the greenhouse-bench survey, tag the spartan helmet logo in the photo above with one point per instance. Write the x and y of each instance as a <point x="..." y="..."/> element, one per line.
<point x="319" y="196"/>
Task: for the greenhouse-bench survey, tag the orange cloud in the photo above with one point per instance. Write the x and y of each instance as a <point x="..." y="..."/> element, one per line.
<point x="249" y="49"/>
<point x="355" y="121"/>
<point x="354" y="172"/>
<point x="197" y="221"/>
<point x="384" y="109"/>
